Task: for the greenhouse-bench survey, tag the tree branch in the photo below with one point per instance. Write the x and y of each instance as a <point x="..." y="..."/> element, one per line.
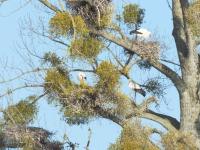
<point x="144" y="106"/>
<point x="22" y="74"/>
<point x="89" y="139"/>
<point x="166" y="121"/>
<point x="82" y="70"/>
<point x="10" y="91"/>
<point x="107" y="115"/>
<point x="170" y="62"/>
<point x="49" y="5"/>
<point x="143" y="111"/>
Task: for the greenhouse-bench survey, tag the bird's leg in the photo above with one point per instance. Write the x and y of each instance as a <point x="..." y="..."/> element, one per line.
<point x="135" y="98"/>
<point x="136" y="35"/>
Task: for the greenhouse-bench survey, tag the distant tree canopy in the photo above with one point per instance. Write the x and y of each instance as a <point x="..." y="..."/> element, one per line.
<point x="90" y="30"/>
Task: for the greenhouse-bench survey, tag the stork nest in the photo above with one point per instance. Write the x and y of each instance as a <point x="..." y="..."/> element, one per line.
<point x="96" y="13"/>
<point x="28" y="138"/>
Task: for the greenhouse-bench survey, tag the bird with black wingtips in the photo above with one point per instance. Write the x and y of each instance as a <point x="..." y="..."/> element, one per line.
<point x="136" y="88"/>
<point x="135" y="32"/>
<point x="142" y="33"/>
<point x="82" y="77"/>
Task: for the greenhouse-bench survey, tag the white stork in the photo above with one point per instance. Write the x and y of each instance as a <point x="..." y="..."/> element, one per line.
<point x="82" y="77"/>
<point x="142" y="33"/>
<point x="136" y="88"/>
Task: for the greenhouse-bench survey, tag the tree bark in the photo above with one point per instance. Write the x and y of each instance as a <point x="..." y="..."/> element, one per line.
<point x="188" y="57"/>
<point x="190" y="116"/>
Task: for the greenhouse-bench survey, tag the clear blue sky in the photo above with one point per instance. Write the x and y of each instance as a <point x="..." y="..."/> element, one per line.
<point x="158" y="19"/>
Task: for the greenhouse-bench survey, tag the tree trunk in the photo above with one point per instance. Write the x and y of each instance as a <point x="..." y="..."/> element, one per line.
<point x="188" y="57"/>
<point x="190" y="115"/>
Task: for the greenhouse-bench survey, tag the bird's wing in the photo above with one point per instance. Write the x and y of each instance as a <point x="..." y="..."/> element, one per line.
<point x="135" y="32"/>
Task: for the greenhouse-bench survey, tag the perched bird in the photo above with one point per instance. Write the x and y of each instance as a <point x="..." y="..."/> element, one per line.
<point x="141" y="33"/>
<point x="135" y="32"/>
<point x="136" y="88"/>
<point x="82" y="77"/>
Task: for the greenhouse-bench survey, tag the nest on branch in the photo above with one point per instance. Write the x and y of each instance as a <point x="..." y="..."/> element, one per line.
<point x="97" y="13"/>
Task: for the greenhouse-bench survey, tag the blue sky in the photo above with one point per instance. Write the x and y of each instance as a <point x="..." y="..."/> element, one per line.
<point x="158" y="19"/>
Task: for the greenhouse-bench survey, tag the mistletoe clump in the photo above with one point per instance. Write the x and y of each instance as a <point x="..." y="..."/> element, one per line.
<point x="108" y="76"/>
<point x="22" y="113"/>
<point x="133" y="14"/>
<point x="105" y="19"/>
<point x="80" y="26"/>
<point x="86" y="47"/>
<point x="52" y="58"/>
<point x="133" y="137"/>
<point x="60" y="24"/>
<point x="64" y="24"/>
<point x="57" y="82"/>
<point x="155" y="87"/>
<point x="144" y="65"/>
<point x="193" y="17"/>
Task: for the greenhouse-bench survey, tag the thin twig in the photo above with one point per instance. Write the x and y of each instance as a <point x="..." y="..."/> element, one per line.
<point x="168" y="61"/>
<point x="22" y="74"/>
<point x="89" y="139"/>
<point x="169" y="4"/>
<point x="10" y="91"/>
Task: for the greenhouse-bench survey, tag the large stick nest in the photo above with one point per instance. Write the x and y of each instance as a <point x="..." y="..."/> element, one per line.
<point x="94" y="12"/>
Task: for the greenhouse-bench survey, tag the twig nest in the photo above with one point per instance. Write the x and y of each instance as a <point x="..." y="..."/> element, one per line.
<point x="96" y="13"/>
<point x="149" y="50"/>
<point x="77" y="114"/>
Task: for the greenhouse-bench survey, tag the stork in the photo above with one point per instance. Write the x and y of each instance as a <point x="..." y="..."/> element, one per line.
<point x="136" y="88"/>
<point x="82" y="77"/>
<point x="142" y="33"/>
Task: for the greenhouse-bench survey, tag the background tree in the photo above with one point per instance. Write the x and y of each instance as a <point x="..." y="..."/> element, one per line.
<point x="90" y="29"/>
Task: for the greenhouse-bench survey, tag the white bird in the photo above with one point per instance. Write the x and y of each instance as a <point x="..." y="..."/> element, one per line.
<point x="142" y="33"/>
<point x="136" y="88"/>
<point x="82" y="76"/>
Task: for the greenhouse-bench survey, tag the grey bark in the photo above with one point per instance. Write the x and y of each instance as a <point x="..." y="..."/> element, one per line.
<point x="188" y="57"/>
